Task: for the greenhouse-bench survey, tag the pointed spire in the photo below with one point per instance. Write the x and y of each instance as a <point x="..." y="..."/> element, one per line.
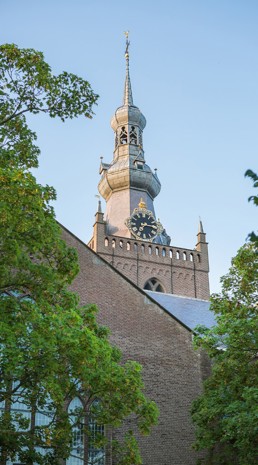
<point x="99" y="204"/>
<point x="128" y="96"/>
<point x="200" y="228"/>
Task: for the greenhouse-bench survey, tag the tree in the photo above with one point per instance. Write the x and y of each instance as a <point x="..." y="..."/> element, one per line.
<point x="51" y="349"/>
<point x="226" y="414"/>
<point x="253" y="198"/>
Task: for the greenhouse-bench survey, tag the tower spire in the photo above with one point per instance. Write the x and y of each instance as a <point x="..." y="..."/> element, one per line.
<point x="128" y="96"/>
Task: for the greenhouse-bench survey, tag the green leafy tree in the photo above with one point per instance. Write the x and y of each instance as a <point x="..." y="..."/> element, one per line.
<point x="51" y="349"/>
<point x="253" y="198"/>
<point x="226" y="414"/>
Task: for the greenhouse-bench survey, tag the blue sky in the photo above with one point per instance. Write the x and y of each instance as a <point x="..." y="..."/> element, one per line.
<point x="194" y="74"/>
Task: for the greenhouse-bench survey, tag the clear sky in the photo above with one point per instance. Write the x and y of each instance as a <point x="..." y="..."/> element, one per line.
<point x="194" y="75"/>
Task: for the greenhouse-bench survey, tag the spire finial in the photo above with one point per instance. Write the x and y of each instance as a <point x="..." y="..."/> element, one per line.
<point x="127" y="43"/>
<point x="200" y="228"/>
<point x="99" y="203"/>
<point x="128" y="96"/>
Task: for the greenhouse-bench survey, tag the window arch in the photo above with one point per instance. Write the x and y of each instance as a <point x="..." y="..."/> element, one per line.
<point x="96" y="455"/>
<point x="154" y="285"/>
<point x="77" y="450"/>
<point x="123" y="136"/>
<point x="133" y="135"/>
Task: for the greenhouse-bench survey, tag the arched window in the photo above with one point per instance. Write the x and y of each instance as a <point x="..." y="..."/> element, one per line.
<point x="96" y="455"/>
<point x="133" y="135"/>
<point x="199" y="258"/>
<point x="150" y="249"/>
<point x="113" y="243"/>
<point x="128" y="246"/>
<point x="123" y="136"/>
<point x="106" y="242"/>
<point x="177" y="255"/>
<point x="170" y="254"/>
<point x="163" y="252"/>
<point x="142" y="248"/>
<point x="77" y="420"/>
<point x="184" y="255"/>
<point x="121" y="243"/>
<point x="191" y="257"/>
<point x="153" y="285"/>
<point x="157" y="250"/>
<point x="135" y="246"/>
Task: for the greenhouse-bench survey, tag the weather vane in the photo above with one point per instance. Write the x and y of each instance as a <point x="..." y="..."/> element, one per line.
<point x="126" y="33"/>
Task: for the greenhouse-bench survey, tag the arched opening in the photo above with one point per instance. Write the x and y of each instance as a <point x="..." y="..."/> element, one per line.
<point x="133" y="136"/>
<point x="191" y="257"/>
<point x="106" y="242"/>
<point x="177" y="255"/>
<point x="121" y="243"/>
<point x="78" y="419"/>
<point x="184" y="255"/>
<point x="128" y="246"/>
<point x="154" y="285"/>
<point x="170" y="254"/>
<point x="163" y="252"/>
<point x="113" y="243"/>
<point x="123" y="136"/>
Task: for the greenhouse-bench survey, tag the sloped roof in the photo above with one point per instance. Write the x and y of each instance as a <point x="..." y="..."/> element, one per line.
<point x="191" y="312"/>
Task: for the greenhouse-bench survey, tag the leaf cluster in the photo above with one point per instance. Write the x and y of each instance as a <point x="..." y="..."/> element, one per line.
<point x="226" y="415"/>
<point x="27" y="85"/>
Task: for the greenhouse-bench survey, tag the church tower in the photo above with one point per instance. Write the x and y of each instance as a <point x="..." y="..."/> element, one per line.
<point x="128" y="235"/>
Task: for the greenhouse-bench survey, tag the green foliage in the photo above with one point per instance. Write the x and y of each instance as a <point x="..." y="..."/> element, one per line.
<point x="226" y="414"/>
<point x="128" y="452"/>
<point x="51" y="349"/>
<point x="253" y="198"/>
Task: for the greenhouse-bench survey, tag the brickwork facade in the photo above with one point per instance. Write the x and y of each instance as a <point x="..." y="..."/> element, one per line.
<point x="180" y="271"/>
<point x="145" y="332"/>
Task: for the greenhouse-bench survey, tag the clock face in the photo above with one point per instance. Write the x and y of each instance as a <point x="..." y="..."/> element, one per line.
<point x="143" y="226"/>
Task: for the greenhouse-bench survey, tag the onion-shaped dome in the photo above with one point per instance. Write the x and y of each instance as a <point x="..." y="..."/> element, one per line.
<point x="128" y="114"/>
<point x="126" y="174"/>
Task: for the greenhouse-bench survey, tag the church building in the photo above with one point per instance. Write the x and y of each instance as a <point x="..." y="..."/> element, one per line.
<point x="128" y="235"/>
<point x="150" y="293"/>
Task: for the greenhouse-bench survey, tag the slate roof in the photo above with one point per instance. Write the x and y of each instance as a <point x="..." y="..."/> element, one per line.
<point x="191" y="312"/>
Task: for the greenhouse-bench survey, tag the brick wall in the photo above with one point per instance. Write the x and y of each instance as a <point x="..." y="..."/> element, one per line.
<point x="181" y="271"/>
<point x="172" y="370"/>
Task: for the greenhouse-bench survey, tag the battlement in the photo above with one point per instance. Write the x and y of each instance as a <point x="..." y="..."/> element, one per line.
<point x="120" y="246"/>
